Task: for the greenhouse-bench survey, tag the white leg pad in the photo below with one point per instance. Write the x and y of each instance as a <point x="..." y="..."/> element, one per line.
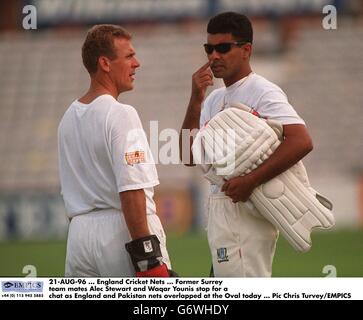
<point x="287" y="201"/>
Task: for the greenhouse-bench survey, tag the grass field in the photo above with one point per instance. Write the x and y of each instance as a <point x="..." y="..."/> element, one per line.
<point x="190" y="256"/>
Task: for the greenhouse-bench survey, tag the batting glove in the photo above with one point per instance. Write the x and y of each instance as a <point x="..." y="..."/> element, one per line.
<point x="147" y="259"/>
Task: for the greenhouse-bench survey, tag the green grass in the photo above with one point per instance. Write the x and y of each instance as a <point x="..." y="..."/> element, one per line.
<point x="342" y="249"/>
<point x="190" y="256"/>
<point x="48" y="258"/>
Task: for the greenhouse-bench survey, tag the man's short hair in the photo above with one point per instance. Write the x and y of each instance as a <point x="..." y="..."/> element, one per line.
<point x="231" y="22"/>
<point x="100" y="42"/>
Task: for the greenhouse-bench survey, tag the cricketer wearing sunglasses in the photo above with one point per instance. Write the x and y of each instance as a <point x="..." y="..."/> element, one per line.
<point x="242" y="244"/>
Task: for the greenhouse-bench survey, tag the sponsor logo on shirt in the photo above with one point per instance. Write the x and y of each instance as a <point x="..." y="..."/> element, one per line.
<point x="135" y="157"/>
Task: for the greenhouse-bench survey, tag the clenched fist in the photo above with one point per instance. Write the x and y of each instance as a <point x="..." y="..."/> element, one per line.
<point x="239" y="188"/>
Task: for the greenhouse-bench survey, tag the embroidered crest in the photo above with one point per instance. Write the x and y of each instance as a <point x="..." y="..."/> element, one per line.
<point x="222" y="255"/>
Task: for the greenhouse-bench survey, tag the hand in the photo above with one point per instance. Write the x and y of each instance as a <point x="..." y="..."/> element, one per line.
<point x="201" y="79"/>
<point x="239" y="188"/>
<point x="160" y="271"/>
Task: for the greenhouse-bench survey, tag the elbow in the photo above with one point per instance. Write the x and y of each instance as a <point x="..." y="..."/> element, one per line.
<point x="308" y="146"/>
<point x="311" y="146"/>
<point x="189" y="164"/>
<point x="185" y="158"/>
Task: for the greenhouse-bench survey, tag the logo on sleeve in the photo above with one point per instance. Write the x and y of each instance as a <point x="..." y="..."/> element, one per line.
<point x="135" y="157"/>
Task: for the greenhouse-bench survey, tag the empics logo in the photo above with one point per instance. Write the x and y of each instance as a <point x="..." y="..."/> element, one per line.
<point x="7" y="285"/>
<point x="22" y="286"/>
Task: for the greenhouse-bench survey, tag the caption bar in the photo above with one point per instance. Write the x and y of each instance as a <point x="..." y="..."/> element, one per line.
<point x="181" y="288"/>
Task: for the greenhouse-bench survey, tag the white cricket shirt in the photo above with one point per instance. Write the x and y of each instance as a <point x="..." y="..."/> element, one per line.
<point x="255" y="92"/>
<point x="103" y="150"/>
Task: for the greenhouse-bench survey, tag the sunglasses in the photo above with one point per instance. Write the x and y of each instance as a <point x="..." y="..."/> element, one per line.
<point x="223" y="47"/>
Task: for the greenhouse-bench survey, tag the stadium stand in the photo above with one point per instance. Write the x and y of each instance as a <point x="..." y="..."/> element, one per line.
<point x="322" y="73"/>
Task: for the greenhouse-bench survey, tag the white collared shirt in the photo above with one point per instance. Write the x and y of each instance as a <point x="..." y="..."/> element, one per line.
<point x="103" y="150"/>
<point x="255" y="92"/>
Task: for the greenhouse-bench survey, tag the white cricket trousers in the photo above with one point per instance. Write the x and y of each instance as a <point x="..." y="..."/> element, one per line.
<point x="241" y="244"/>
<point x="96" y="244"/>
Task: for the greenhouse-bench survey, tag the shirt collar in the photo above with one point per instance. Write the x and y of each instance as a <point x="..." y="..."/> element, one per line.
<point x="238" y="83"/>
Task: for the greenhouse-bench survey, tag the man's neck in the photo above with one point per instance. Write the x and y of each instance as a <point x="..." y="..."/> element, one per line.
<point x="96" y="89"/>
<point x="244" y="73"/>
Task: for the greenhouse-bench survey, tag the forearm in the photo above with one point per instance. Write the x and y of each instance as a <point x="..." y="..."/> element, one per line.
<point x="192" y="116"/>
<point x="201" y="79"/>
<point x="144" y="249"/>
<point x="190" y="124"/>
<point x="133" y="205"/>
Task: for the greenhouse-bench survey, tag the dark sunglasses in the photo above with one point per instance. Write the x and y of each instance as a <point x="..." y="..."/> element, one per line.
<point x="223" y="47"/>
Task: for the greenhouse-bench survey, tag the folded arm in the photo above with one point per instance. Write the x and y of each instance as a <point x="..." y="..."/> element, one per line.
<point x="297" y="144"/>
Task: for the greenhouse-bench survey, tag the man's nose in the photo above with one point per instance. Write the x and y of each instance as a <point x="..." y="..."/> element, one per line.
<point x="214" y="56"/>
<point x="136" y="63"/>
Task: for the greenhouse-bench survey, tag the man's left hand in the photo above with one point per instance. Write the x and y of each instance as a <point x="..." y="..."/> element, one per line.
<point x="239" y="188"/>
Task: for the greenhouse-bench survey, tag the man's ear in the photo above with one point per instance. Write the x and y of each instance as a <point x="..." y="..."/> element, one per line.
<point x="104" y="63"/>
<point x="248" y="51"/>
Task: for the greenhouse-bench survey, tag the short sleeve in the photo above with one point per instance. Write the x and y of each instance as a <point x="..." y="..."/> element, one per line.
<point x="205" y="114"/>
<point x="132" y="160"/>
<point x="274" y="105"/>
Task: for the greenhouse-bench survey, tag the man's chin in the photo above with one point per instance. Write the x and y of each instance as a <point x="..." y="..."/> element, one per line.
<point x="128" y="88"/>
<point x="217" y="75"/>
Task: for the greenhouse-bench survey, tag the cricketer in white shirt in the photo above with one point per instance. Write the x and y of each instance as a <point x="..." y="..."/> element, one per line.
<point x="103" y="150"/>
